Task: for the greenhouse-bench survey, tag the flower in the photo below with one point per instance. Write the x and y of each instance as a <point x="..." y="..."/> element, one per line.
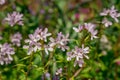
<point x="80" y="63"/>
<point x="80" y="28"/>
<point x="2" y="2"/>
<point x="78" y="54"/>
<point x="106" y="22"/>
<point x="14" y="18"/>
<point x="48" y="48"/>
<point x="105" y="12"/>
<point x="42" y="34"/>
<point x="85" y="51"/>
<point x="112" y="12"/>
<point x="35" y="39"/>
<point x="61" y="41"/>
<point x="16" y="38"/>
<point x="33" y="45"/>
<point x="69" y="56"/>
<point x="89" y="27"/>
<point x="5" y="53"/>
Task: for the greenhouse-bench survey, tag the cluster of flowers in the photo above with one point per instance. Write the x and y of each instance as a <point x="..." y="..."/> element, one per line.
<point x="5" y="53"/>
<point x="14" y="18"/>
<point x="6" y="50"/>
<point x="16" y="39"/>
<point x="113" y="13"/>
<point x="78" y="54"/>
<point x="89" y="27"/>
<point x="38" y="41"/>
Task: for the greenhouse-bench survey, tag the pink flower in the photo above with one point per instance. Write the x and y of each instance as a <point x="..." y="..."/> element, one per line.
<point x="78" y="54"/>
<point x="42" y="34"/>
<point x="61" y="41"/>
<point x="105" y="12"/>
<point x="16" y="39"/>
<point x="80" y="63"/>
<point x="6" y="52"/>
<point x="80" y="28"/>
<point x="106" y="22"/>
<point x="14" y="18"/>
<point x="89" y="27"/>
<point x="112" y="12"/>
<point x="2" y="2"/>
<point x="34" y="41"/>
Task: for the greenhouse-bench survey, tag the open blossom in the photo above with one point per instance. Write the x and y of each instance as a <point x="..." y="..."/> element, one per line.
<point x="14" y="18"/>
<point x="61" y="41"/>
<point x="32" y="44"/>
<point x="80" y="28"/>
<point x="42" y="34"/>
<point x="105" y="12"/>
<point x="106" y="22"/>
<point x="2" y="2"/>
<point x="80" y="63"/>
<point x="16" y="39"/>
<point x="48" y="48"/>
<point x="5" y="53"/>
<point x="34" y="41"/>
<point x="78" y="54"/>
<point x="89" y="27"/>
<point x="112" y="12"/>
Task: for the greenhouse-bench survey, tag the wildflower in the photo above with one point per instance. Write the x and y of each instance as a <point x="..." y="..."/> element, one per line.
<point x="47" y="48"/>
<point x="80" y="63"/>
<point x="5" y="53"/>
<point x="34" y="41"/>
<point x="106" y="22"/>
<point x="89" y="27"/>
<point x="16" y="38"/>
<point x="84" y="51"/>
<point x="105" y="12"/>
<point x="69" y="56"/>
<point x="42" y="34"/>
<point x="2" y="2"/>
<point x="33" y="45"/>
<point x="61" y="41"/>
<point x="78" y="54"/>
<point x="80" y="28"/>
<point x="14" y="18"/>
<point x="112" y="12"/>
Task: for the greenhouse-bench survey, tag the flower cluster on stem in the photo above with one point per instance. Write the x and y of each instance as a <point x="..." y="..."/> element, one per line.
<point x="78" y="54"/>
<point x="5" y="53"/>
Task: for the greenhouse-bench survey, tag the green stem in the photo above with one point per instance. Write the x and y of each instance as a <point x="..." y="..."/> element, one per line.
<point x="29" y="66"/>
